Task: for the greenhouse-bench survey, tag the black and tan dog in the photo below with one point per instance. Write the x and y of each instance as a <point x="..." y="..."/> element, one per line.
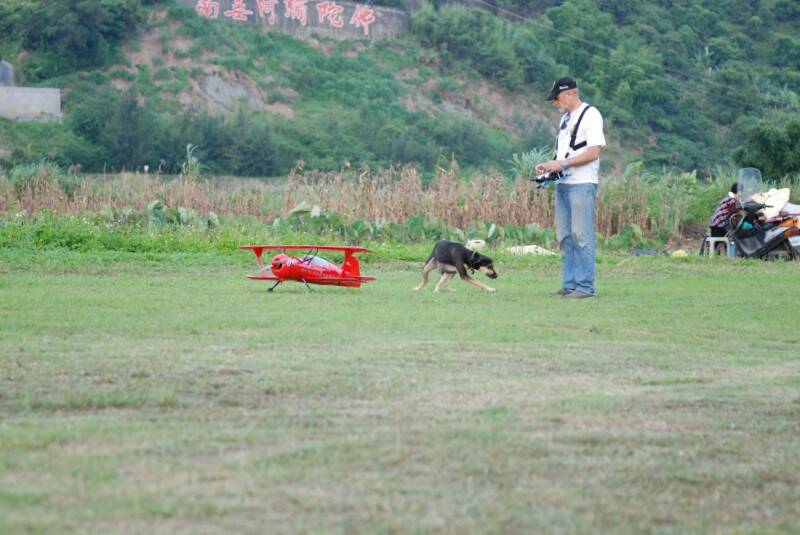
<point x="452" y="258"/>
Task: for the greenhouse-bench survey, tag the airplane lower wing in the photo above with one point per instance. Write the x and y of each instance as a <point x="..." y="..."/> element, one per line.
<point x="263" y="276"/>
<point x="334" y="281"/>
<point x="326" y="280"/>
<point x="355" y="279"/>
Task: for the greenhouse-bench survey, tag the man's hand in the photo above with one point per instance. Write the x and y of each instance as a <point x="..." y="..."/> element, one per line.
<point x="591" y="154"/>
<point x="548" y="167"/>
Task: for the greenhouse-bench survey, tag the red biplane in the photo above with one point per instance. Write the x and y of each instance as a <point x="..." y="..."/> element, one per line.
<point x="309" y="268"/>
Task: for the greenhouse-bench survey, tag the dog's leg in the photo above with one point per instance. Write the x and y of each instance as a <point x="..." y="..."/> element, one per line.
<point x="441" y="281"/>
<point x="448" y="281"/>
<point x="429" y="266"/>
<point x="462" y="272"/>
<point x="480" y="285"/>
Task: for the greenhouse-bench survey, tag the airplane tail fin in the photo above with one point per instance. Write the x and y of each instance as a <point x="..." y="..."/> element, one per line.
<point x="350" y="266"/>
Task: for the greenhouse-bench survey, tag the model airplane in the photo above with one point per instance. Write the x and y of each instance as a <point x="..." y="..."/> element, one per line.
<point x="309" y="268"/>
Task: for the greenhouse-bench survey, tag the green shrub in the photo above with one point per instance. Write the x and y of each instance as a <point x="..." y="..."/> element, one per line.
<point x="35" y="176"/>
<point x="496" y="48"/>
<point x="66" y="35"/>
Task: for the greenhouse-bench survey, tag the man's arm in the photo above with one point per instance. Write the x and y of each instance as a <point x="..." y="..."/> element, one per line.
<point x="591" y="154"/>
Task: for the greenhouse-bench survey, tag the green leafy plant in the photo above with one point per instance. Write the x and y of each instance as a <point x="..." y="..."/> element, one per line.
<point x="191" y="166"/>
<point x="524" y="164"/>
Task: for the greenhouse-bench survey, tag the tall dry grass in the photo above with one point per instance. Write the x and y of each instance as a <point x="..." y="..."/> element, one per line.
<point x="225" y="197"/>
<point x="392" y="194"/>
<point x="396" y="193"/>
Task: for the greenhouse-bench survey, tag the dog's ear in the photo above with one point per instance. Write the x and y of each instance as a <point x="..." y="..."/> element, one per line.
<point x="474" y="257"/>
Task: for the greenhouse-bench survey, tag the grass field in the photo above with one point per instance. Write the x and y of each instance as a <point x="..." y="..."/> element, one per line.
<point x="168" y="394"/>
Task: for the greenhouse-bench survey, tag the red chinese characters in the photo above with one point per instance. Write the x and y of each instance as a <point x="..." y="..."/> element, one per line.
<point x="328" y="11"/>
<point x="331" y="11"/>
<point x="267" y="7"/>
<point x="238" y="11"/>
<point x="363" y="17"/>
<point x="296" y="10"/>
<point x="207" y="9"/>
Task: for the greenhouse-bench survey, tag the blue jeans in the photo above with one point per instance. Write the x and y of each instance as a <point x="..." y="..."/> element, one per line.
<point x="575" y="233"/>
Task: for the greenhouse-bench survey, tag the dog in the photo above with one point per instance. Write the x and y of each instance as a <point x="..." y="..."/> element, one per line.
<point x="452" y="258"/>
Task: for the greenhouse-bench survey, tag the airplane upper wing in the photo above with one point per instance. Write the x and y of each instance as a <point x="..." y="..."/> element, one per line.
<point x="345" y="248"/>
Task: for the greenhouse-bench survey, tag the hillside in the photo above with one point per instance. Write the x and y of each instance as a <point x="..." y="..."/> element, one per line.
<point x="679" y="86"/>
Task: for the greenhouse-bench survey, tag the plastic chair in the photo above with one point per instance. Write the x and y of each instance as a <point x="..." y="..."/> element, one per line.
<point x="710" y="242"/>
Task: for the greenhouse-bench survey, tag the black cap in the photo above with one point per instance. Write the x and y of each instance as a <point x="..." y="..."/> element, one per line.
<point x="562" y="84"/>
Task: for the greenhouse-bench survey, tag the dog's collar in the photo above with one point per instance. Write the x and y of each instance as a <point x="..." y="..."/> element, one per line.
<point x="472" y="259"/>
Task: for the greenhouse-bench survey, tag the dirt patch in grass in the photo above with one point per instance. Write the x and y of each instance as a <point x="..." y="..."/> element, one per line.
<point x="499" y="108"/>
<point x="411" y="73"/>
<point x="278" y="108"/>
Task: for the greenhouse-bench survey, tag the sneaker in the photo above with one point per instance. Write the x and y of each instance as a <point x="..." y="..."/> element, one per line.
<point x="562" y="292"/>
<point x="578" y="294"/>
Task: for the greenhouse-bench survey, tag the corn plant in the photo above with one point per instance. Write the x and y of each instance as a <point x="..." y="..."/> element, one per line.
<point x="191" y="166"/>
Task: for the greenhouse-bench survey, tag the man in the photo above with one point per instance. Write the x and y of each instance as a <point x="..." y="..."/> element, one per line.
<point x="577" y="156"/>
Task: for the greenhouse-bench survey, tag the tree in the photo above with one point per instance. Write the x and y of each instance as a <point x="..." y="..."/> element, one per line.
<point x="732" y="93"/>
<point x="787" y="52"/>
<point x="252" y="151"/>
<point x="130" y="135"/>
<point x="66" y="35"/>
<point x="772" y="148"/>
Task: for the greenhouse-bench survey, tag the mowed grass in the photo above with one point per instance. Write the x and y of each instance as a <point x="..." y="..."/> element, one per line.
<point x="172" y="395"/>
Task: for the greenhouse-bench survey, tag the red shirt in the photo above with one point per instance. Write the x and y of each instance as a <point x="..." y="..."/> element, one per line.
<point x="725" y="209"/>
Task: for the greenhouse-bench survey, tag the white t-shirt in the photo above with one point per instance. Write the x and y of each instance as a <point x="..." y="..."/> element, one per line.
<point x="591" y="131"/>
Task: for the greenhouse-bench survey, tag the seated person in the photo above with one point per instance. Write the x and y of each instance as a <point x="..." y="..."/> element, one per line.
<point x="725" y="209"/>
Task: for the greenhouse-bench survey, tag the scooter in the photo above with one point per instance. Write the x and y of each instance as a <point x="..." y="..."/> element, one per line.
<point x="767" y="226"/>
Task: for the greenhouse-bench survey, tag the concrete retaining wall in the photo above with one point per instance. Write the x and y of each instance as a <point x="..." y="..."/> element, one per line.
<point x="25" y="103"/>
<point x="302" y="18"/>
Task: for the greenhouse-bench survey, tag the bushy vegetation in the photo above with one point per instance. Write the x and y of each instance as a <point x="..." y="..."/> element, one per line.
<point x="128" y="135"/>
<point x="684" y="82"/>
<point x="62" y="36"/>
<point x="508" y="53"/>
<point x="772" y="148"/>
<point x="349" y="112"/>
<point x="43" y="206"/>
<point x="681" y="85"/>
